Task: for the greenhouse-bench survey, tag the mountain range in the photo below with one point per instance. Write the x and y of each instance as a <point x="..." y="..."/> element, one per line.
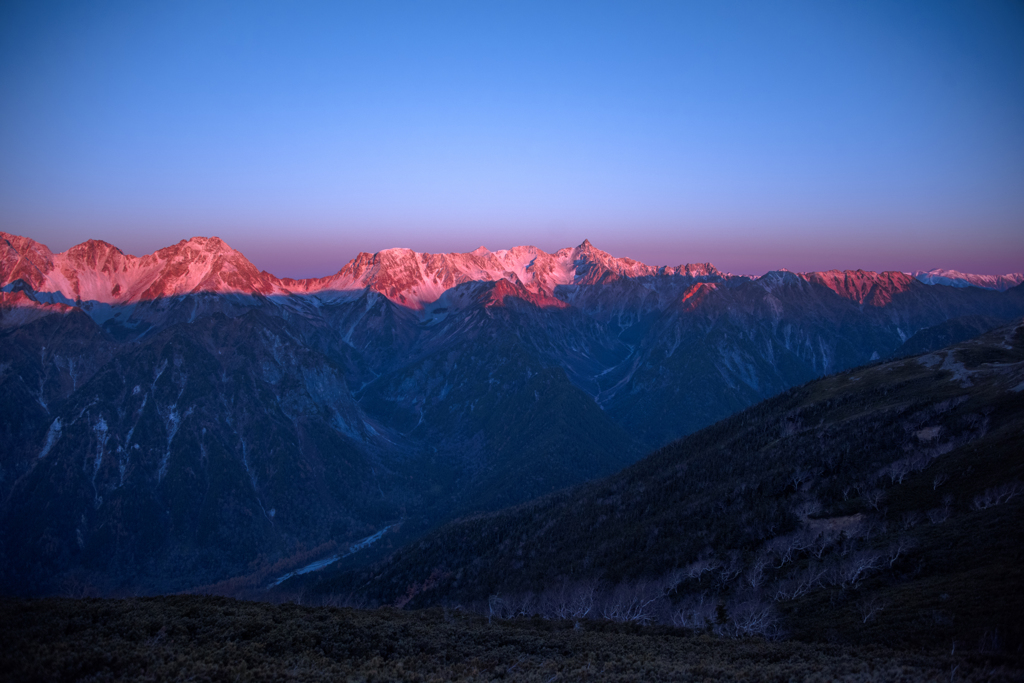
<point x="954" y="278"/>
<point x="182" y="418"/>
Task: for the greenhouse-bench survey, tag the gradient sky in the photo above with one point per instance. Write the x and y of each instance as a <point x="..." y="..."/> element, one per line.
<point x="755" y="135"/>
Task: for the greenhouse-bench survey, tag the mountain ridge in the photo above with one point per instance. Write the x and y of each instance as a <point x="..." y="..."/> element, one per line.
<point x="98" y="271"/>
<point x="954" y="278"/>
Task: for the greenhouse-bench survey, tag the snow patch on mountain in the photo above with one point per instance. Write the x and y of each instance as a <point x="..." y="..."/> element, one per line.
<point x="173" y="422"/>
<point x="102" y="435"/>
<point x="52" y="437"/>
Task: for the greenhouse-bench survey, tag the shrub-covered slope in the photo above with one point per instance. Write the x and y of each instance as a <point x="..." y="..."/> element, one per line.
<point x="187" y="638"/>
<point x="878" y="504"/>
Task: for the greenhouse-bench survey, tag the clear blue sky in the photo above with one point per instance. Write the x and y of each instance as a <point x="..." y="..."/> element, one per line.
<point x="755" y="135"/>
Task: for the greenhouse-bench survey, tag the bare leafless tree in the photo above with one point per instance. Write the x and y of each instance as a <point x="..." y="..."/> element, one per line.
<point x="754" y="575"/>
<point x="695" y="570"/>
<point x="908" y="520"/>
<point x="748" y="615"/>
<point x="938" y="515"/>
<point x="732" y="568"/>
<point x="899" y="547"/>
<point x="869" y="606"/>
<point x="997" y="495"/>
<point x="696" y="611"/>
<point x="898" y="470"/>
<point x="853" y="569"/>
<point x="495" y="608"/>
<point x="636" y="602"/>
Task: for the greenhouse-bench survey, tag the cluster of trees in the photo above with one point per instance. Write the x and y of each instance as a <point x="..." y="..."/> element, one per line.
<point x="997" y="495"/>
<point x="730" y="595"/>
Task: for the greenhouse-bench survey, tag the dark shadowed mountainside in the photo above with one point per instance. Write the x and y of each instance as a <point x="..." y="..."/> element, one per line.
<point x="947" y="333"/>
<point x="879" y="504"/>
<point x="182" y="418"/>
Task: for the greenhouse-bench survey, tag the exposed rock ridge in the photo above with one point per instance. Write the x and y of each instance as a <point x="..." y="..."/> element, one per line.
<point x="954" y="278"/>
<point x="100" y="272"/>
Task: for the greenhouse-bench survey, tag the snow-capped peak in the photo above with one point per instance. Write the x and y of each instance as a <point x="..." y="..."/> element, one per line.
<point x="954" y="278"/>
<point x="100" y="272"/>
<point x="414" y="279"/>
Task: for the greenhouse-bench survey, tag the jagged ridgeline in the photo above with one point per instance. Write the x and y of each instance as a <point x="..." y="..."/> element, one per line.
<point x="880" y="504"/>
<point x="182" y="418"/>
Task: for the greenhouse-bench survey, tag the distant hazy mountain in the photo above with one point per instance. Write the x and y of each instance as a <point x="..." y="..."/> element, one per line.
<point x="182" y="417"/>
<point x="955" y="278"/>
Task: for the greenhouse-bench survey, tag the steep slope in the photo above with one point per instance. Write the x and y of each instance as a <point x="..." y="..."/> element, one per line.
<point x="488" y="392"/>
<point x="881" y="503"/>
<point x="947" y="333"/>
<point x="185" y="457"/>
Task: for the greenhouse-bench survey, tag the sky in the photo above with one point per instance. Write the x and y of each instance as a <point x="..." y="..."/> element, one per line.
<point x="752" y="135"/>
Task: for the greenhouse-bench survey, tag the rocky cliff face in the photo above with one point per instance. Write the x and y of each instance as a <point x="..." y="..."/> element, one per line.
<point x="181" y="417"/>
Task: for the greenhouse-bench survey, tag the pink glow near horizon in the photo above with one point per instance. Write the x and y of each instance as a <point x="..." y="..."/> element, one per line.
<point x="729" y="251"/>
<point x="300" y="254"/>
<point x="758" y="136"/>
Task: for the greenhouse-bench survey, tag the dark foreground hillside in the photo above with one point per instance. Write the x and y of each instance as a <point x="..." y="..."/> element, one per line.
<point x="880" y="505"/>
<point x="214" y="639"/>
